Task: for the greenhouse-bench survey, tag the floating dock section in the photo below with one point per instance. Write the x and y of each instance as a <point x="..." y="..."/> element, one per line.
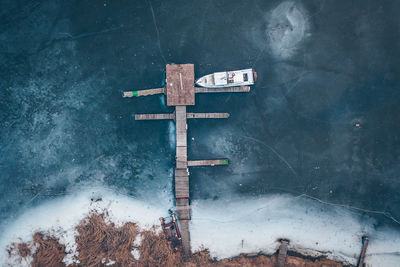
<point x="180" y="92"/>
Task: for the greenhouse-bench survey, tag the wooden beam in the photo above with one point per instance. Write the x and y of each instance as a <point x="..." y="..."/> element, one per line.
<point x="181" y="183"/>
<point x="181" y="126"/>
<point x="184" y="230"/>
<point x="184" y="216"/>
<point x="283" y="248"/>
<point x="363" y="251"/>
<point x="145" y="92"/>
<point x="160" y="116"/>
<point x="207" y="115"/>
<point x="209" y="162"/>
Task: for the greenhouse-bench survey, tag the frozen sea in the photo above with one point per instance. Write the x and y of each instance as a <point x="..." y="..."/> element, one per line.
<point x="314" y="148"/>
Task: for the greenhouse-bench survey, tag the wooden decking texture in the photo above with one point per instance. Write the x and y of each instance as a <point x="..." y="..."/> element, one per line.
<point x="180" y="85"/>
<point x="207" y="162"/>
<point x="207" y="115"/>
<point x="162" y="116"/>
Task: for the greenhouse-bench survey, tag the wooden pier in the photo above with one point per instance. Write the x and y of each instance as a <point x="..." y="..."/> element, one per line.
<point x="207" y="115"/>
<point x="180" y="92"/>
<point x="283" y="249"/>
<point x="165" y="116"/>
<point x="208" y="162"/>
<point x="147" y="92"/>
<point x="171" y="116"/>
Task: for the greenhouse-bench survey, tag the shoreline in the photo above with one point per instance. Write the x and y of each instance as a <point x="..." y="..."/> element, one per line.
<point x="102" y="242"/>
<point x="211" y="229"/>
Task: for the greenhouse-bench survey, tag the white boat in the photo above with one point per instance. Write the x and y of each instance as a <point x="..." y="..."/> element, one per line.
<point x="228" y="79"/>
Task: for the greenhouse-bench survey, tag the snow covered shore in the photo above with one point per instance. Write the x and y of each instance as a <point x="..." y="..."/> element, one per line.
<point x="226" y="228"/>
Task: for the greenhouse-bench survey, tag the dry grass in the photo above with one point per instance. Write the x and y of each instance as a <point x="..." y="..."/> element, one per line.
<point x="49" y="251"/>
<point x="99" y="242"/>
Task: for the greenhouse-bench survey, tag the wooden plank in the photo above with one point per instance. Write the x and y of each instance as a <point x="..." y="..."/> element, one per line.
<point x="283" y="248"/>
<point x="145" y="92"/>
<point x="181" y="172"/>
<point x="181" y="191"/>
<point x="363" y="252"/>
<point x="190" y="115"/>
<point x="235" y="89"/>
<point x="207" y="162"/>
<point x="184" y="212"/>
<point x="181" y="183"/>
<point x="182" y="202"/>
<point x="185" y="234"/>
<point x="161" y="116"/>
<point x="181" y="130"/>
<point x="180" y="85"/>
<point x="181" y="157"/>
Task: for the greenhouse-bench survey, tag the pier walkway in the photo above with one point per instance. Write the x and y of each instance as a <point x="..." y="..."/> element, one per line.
<point x="180" y="92"/>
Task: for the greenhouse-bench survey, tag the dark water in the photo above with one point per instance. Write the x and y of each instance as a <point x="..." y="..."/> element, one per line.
<point x="64" y="125"/>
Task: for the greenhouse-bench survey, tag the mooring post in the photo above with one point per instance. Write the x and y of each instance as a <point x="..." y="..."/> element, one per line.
<point x="283" y="248"/>
<point x="365" y="240"/>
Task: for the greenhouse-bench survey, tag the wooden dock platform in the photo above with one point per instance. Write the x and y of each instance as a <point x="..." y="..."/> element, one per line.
<point x="180" y="85"/>
<point x="180" y="92"/>
<point x="171" y="116"/>
<point x="182" y="176"/>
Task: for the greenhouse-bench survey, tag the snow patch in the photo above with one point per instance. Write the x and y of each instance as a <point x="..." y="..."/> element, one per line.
<point x="241" y="225"/>
<point x="136" y="254"/>
<point x="59" y="218"/>
<point x="226" y="227"/>
<point x="287" y="27"/>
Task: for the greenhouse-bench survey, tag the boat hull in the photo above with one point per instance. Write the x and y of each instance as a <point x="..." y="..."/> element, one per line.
<point x="228" y="79"/>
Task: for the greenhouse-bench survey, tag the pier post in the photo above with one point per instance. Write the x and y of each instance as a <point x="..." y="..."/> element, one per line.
<point x="365" y="240"/>
<point x="283" y="248"/>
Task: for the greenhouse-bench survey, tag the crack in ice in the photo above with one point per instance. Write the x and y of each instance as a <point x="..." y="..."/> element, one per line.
<point x="157" y="31"/>
<point x="274" y="151"/>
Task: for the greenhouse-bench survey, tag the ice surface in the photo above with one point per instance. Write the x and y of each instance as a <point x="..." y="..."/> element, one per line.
<point x="288" y="24"/>
<point x="242" y="225"/>
<point x="226" y="227"/>
<point x="171" y="135"/>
